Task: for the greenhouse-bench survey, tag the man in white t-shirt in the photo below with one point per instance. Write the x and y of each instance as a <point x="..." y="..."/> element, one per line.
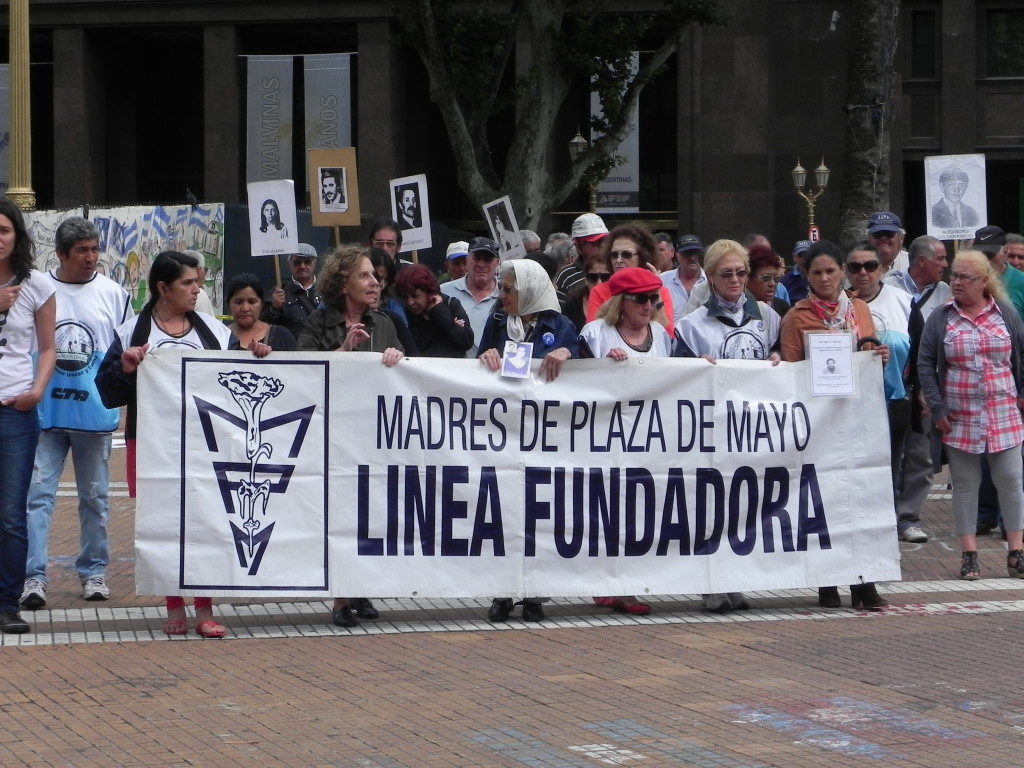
<point x="885" y="232"/>
<point x="90" y="307"/>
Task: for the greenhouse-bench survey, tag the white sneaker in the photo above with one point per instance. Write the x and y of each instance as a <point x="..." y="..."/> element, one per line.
<point x="34" y="595"/>
<point x="95" y="588"/>
<point x="914" y="534"/>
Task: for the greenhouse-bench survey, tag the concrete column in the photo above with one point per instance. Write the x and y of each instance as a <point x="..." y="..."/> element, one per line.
<point x="79" y="122"/>
<point x="959" y="70"/>
<point x="381" y="116"/>
<point x="20" y="184"/>
<point x="223" y="137"/>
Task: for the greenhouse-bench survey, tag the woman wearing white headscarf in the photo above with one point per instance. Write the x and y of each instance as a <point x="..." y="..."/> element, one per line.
<point x="529" y="312"/>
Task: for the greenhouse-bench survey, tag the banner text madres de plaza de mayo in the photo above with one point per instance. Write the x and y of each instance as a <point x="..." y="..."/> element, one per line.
<point x="327" y="474"/>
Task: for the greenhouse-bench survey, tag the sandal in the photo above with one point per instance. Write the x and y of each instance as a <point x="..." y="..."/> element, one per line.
<point x="210" y="629"/>
<point x="176" y="627"/>
<point x="634" y="609"/>
<point x="969" y="567"/>
<point x="1015" y="564"/>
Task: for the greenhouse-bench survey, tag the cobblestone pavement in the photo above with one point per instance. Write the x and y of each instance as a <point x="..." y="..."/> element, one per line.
<point x="431" y="683"/>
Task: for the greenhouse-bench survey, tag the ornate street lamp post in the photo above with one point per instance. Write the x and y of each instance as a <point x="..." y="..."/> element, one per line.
<point x="810" y="197"/>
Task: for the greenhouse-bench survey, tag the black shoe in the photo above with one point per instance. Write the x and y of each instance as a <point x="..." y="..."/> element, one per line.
<point x="364" y="608"/>
<point x="12" y="623"/>
<point x="533" y="611"/>
<point x="828" y="597"/>
<point x="501" y="607"/>
<point x="866" y="596"/>
<point x="344" y="617"/>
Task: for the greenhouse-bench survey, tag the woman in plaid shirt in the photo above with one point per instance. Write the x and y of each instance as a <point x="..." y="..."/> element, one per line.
<point x="969" y="363"/>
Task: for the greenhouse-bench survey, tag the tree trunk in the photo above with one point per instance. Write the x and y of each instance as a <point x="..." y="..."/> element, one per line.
<point x="869" y="114"/>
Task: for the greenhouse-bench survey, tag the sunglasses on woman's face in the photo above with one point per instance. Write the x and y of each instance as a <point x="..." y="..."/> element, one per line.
<point x="597" y="277"/>
<point x="855" y="267"/>
<point x="643" y="298"/>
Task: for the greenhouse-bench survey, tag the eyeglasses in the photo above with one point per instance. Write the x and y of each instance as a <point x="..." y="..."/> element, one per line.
<point x="643" y="298"/>
<point x="739" y="274"/>
<point x="955" y="276"/>
<point x="854" y="267"/>
<point x="623" y="254"/>
<point x="507" y="288"/>
<point x="767" y="277"/>
<point x="385" y="243"/>
<point x="597" y="277"/>
<point x="886" y="234"/>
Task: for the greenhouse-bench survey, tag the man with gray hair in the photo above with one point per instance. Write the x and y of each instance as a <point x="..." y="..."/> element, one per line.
<point x="553" y="239"/>
<point x="203" y="302"/>
<point x="292" y="304"/>
<point x="531" y="240"/>
<point x="1014" y="250"/>
<point x="90" y="308"/>
<point x="923" y="281"/>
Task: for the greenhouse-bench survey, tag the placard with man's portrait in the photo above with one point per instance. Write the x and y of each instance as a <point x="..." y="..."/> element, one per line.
<point x="411" y="209"/>
<point x="955" y="195"/>
<point x="333" y="187"/>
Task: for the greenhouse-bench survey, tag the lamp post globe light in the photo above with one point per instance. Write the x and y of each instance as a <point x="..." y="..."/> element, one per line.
<point x="821" y="174"/>
<point x="577" y="146"/>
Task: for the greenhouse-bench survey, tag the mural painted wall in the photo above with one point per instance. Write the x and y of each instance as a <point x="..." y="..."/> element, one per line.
<point x="131" y="236"/>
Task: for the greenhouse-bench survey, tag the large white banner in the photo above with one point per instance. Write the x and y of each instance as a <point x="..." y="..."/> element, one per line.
<point x="329" y="475"/>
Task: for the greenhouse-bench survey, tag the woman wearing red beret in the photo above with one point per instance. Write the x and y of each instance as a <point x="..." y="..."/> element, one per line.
<point x="630" y="324"/>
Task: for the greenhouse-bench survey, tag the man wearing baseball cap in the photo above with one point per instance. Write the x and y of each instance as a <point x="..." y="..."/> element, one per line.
<point x="588" y="234"/>
<point x="292" y="304"/>
<point x="795" y="280"/>
<point x="688" y="275"/>
<point x="991" y="241"/>
<point x="456" y="259"/>
<point x="477" y="290"/>
<point x="885" y="232"/>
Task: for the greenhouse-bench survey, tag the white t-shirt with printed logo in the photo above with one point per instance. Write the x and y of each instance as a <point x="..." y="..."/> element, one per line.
<point x="18" y="335"/>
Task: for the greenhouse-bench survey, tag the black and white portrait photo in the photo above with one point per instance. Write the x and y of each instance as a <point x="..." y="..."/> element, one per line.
<point x="955" y="187"/>
<point x="333" y="192"/>
<point x="410" y="209"/>
<point x="502" y="222"/>
<point x="272" y="217"/>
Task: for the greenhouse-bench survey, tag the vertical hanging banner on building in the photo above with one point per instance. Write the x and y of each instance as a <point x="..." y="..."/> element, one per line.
<point x="268" y="118"/>
<point x="328" y="100"/>
<point x="619" y="192"/>
<point x="5" y="126"/>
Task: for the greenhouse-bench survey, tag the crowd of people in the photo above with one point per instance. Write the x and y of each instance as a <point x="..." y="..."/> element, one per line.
<point x="952" y="355"/>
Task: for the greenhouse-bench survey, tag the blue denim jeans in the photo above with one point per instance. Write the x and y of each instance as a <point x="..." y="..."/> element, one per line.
<point x="90" y="452"/>
<point x="19" y="432"/>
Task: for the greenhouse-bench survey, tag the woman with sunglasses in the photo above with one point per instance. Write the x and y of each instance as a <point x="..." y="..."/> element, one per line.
<point x="829" y="308"/>
<point x="969" y="364"/>
<point x="732" y="325"/>
<point x="628" y="245"/>
<point x="631" y="324"/>
<point x="596" y="270"/>
<point x="766" y="266"/>
<point x="890" y="311"/>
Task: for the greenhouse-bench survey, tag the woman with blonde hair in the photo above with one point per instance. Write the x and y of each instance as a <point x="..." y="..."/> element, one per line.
<point x="972" y="377"/>
<point x="731" y="325"/>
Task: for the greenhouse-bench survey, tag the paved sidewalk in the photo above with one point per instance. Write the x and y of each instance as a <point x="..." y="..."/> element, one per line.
<point x="432" y="684"/>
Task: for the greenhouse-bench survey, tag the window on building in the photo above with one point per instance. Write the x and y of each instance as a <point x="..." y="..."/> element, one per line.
<point x="923" y="45"/>
<point x="1004" y="50"/>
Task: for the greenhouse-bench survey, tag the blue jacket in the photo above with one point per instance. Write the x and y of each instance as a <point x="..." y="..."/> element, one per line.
<point x="551" y="331"/>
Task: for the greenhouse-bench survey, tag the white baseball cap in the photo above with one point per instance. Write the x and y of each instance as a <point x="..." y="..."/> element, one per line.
<point x="589" y="226"/>
<point x="457" y="250"/>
